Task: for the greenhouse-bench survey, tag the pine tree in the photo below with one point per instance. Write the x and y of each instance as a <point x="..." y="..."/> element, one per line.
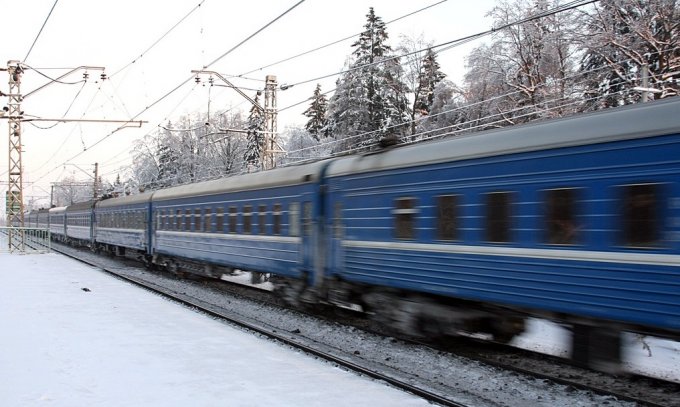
<point x="428" y="78"/>
<point x="252" y="157"/>
<point x="370" y="101"/>
<point x="317" y="125"/>
<point x="168" y="159"/>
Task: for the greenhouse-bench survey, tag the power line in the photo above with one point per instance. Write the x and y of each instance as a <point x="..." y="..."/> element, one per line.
<point x="338" y="41"/>
<point x="253" y="34"/>
<point x="141" y="55"/>
<point x="41" y="29"/>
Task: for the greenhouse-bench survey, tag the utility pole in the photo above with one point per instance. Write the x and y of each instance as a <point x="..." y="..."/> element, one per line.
<point x="270" y="146"/>
<point x="96" y="181"/>
<point x="15" y="194"/>
<point x="14" y="198"/>
<point x="270" y="126"/>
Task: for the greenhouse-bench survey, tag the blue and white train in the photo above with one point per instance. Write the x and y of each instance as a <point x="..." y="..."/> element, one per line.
<point x="575" y="219"/>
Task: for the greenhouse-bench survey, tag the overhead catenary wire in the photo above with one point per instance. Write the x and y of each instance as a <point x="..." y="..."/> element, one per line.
<point x="338" y="41"/>
<point x="41" y="30"/>
<point x="150" y="47"/>
<point x="65" y="113"/>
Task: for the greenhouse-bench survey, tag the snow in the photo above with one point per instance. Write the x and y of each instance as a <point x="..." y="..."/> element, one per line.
<point x="661" y="359"/>
<point x="119" y="345"/>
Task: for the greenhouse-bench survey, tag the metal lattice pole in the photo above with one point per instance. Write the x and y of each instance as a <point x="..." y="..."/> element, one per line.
<point x="270" y="126"/>
<point x="15" y="196"/>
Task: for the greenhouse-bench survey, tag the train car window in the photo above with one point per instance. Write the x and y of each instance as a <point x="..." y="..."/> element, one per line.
<point x="498" y="217"/>
<point x="447" y="217"/>
<point x="187" y="220"/>
<point x="171" y="220"/>
<point x="198" y="224"/>
<point x="561" y="225"/>
<point x="641" y="215"/>
<point x="405" y="218"/>
<point x="337" y="220"/>
<point x="219" y="227"/>
<point x="276" y="218"/>
<point x="247" y="219"/>
<point x="262" y="219"/>
<point x="232" y="219"/>
<point x="207" y="221"/>
<point x="178" y="219"/>
<point x="307" y="218"/>
<point x="294" y="219"/>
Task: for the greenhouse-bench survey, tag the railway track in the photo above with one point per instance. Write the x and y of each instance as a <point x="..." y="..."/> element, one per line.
<point x="630" y="388"/>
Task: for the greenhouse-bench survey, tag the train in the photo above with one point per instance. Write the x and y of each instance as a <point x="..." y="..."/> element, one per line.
<point x="576" y="220"/>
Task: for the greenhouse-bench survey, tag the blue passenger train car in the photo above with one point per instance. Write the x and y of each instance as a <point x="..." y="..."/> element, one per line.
<point x="123" y="223"/>
<point x="577" y="219"/>
<point x="38" y="218"/>
<point x="259" y="222"/>
<point x="78" y="222"/>
<point x="57" y="217"/>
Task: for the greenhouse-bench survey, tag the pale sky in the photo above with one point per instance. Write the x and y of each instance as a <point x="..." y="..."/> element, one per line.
<point x="113" y="34"/>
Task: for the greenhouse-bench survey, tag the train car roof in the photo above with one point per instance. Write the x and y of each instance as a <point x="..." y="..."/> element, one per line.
<point x="41" y="210"/>
<point x="265" y="179"/>
<point x="144" y="197"/>
<point x="629" y="122"/>
<point x="80" y="206"/>
<point x="58" y="209"/>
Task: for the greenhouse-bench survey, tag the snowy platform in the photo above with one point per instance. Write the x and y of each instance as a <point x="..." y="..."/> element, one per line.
<point x="74" y="336"/>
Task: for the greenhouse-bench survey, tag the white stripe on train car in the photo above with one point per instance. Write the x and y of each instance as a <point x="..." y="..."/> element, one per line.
<point x="230" y="236"/>
<point x="651" y="259"/>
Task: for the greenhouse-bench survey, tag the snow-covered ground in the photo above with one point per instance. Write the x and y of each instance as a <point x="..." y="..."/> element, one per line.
<point x="74" y="337"/>
<point x="116" y="344"/>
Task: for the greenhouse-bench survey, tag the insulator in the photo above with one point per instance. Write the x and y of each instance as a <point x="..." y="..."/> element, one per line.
<point x="103" y="76"/>
<point x="86" y="75"/>
<point x="197" y="79"/>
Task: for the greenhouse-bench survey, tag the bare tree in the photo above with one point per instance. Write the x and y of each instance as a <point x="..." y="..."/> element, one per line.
<point x="524" y="74"/>
<point x="619" y="37"/>
<point x="69" y="191"/>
